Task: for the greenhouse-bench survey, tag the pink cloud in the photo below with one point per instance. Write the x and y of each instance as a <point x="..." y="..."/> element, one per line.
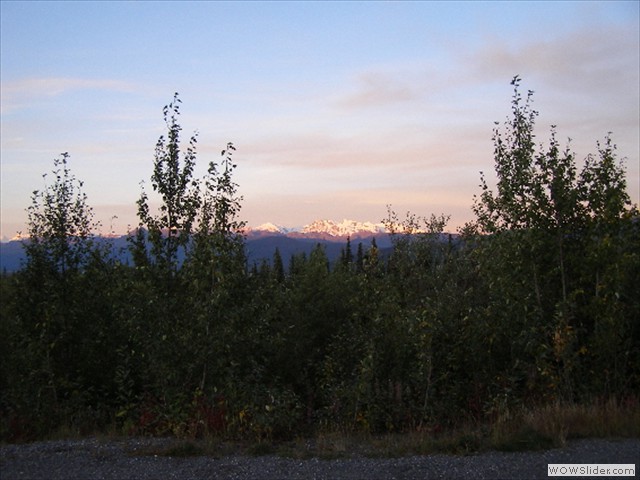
<point x="375" y="89"/>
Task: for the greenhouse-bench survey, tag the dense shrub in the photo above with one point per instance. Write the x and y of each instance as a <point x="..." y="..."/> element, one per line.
<point x="536" y="302"/>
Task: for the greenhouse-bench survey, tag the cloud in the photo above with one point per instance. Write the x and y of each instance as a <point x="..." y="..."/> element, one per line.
<point x="593" y="58"/>
<point x="16" y="94"/>
<point x="378" y="89"/>
<point x="56" y="86"/>
<point x="387" y="149"/>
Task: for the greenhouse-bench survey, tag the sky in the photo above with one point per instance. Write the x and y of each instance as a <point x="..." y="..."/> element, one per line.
<point x="336" y="109"/>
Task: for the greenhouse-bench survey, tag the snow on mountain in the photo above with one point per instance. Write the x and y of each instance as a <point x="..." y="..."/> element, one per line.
<point x="267" y="229"/>
<point x="321" y="227"/>
<point x="271" y="227"/>
<point x="261" y="241"/>
<point x="342" y="229"/>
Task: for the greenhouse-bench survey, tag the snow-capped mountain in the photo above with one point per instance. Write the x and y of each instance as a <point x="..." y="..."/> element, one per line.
<point x="320" y="228"/>
<point x="342" y="229"/>
<point x="266" y="230"/>
<point x="261" y="241"/>
<point x="272" y="228"/>
<point x="269" y="227"/>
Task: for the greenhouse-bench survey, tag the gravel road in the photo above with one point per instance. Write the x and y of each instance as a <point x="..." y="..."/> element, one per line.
<point x="122" y="459"/>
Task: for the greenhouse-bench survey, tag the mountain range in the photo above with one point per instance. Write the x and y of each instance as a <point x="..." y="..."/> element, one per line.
<point x="327" y="228"/>
<point x="261" y="241"/>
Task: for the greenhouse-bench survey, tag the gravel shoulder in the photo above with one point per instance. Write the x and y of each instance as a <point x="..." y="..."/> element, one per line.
<point x="95" y="458"/>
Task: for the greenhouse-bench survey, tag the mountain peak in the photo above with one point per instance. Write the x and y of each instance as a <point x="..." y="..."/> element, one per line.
<point x="344" y="228"/>
<point x="271" y="227"/>
<point x="324" y="228"/>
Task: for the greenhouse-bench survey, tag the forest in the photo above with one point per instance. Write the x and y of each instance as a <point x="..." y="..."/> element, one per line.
<point x="534" y="303"/>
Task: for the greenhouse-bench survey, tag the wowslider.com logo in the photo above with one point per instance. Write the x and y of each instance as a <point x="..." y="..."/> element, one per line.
<point x="591" y="470"/>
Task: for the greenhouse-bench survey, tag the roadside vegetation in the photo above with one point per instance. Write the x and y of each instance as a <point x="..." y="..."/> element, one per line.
<point x="521" y="331"/>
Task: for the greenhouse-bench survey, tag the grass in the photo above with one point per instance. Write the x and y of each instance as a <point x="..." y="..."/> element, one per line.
<point x="552" y="425"/>
<point x="183" y="449"/>
<point x="544" y="427"/>
<point x="540" y="428"/>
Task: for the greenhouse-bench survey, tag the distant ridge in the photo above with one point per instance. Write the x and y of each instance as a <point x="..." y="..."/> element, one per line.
<point x="344" y="228"/>
<point x="321" y="229"/>
<point x="261" y="241"/>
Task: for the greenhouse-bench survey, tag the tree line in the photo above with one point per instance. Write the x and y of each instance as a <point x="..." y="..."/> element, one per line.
<point x="536" y="300"/>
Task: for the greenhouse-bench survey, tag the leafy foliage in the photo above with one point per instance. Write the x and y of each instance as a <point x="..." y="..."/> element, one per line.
<point x="534" y="303"/>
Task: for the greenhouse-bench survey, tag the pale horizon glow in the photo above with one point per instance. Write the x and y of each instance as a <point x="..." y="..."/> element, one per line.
<point x="337" y="109"/>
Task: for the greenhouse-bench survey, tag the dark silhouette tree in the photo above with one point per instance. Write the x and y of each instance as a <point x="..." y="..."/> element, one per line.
<point x="170" y="230"/>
